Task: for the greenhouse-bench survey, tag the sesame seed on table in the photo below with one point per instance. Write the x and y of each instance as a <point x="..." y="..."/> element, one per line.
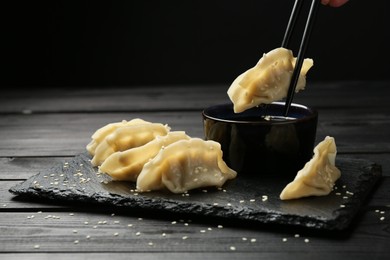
<point x="42" y="127"/>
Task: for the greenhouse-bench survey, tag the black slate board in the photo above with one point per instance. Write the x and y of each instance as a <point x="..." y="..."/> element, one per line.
<point x="240" y="199"/>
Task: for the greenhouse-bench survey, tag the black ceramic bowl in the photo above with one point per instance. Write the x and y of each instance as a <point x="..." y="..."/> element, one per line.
<point x="260" y="140"/>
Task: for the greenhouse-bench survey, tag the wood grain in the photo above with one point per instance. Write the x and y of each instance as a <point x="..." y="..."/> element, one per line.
<point x="46" y="135"/>
<point x="340" y="95"/>
<point x="42" y="126"/>
<point x="21" y="231"/>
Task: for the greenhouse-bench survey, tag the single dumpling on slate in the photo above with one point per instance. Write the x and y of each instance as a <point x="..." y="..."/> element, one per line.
<point x="127" y="137"/>
<point x="318" y="176"/>
<point x="102" y="132"/>
<point x="185" y="165"/>
<point x="267" y="81"/>
<point x="128" y="164"/>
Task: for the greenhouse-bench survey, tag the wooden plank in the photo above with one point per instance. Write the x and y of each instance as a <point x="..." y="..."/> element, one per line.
<point x="48" y="135"/>
<point x="348" y="94"/>
<point x="281" y="255"/>
<point x="111" y="99"/>
<point x="20" y="232"/>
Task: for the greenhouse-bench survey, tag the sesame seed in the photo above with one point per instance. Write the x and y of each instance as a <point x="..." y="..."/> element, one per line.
<point x="94" y="227"/>
<point x="76" y="242"/>
<point x="244" y="239"/>
<point x="284" y="239"/>
<point x="382" y="218"/>
<point x="86" y="223"/>
<point x="345" y="197"/>
<point x="342" y="206"/>
<point x="219" y="226"/>
<point x="185" y="224"/>
<point x="215" y="204"/>
<point x="138" y="233"/>
<point x="163" y="234"/>
<point x="253" y="240"/>
<point x="37" y="246"/>
<point x="184" y="237"/>
<point x="209" y="229"/>
<point x="173" y="222"/>
<point x="203" y="231"/>
<point x="116" y="234"/>
<point x="252" y="200"/>
<point x="150" y="243"/>
<point x="296" y="235"/>
<point x="242" y="201"/>
<point x="129" y="225"/>
<point x="88" y="237"/>
<point x="140" y="219"/>
<point x="74" y="231"/>
<point x="307" y="240"/>
<point x="233" y="248"/>
<point x="116" y="222"/>
<point x="264" y="198"/>
<point x="381" y="212"/>
<point x="71" y="214"/>
<point x="228" y="204"/>
<point x="205" y="191"/>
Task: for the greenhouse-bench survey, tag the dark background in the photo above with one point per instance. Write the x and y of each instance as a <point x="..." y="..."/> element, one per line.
<point x="96" y="43"/>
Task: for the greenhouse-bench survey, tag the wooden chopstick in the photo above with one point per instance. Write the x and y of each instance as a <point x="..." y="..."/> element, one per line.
<point x="303" y="46"/>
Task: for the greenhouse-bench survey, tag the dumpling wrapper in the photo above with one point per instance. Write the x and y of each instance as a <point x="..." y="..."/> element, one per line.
<point x="127" y="137"/>
<point x="186" y="165"/>
<point x="268" y="81"/>
<point x="318" y="176"/>
<point x="128" y="164"/>
<point x="101" y="133"/>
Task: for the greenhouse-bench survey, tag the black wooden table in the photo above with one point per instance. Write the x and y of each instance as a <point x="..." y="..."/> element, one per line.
<point x="40" y="127"/>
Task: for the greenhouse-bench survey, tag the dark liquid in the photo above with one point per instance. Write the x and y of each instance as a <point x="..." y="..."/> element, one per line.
<point x="261" y="118"/>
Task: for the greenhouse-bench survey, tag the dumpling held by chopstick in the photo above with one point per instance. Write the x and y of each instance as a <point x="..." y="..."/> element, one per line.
<point x="267" y="81"/>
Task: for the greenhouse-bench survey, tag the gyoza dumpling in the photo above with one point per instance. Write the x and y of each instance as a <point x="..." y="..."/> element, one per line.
<point x="268" y="81"/>
<point x="127" y="137"/>
<point x="128" y="164"/>
<point x="318" y="176"/>
<point x="186" y="165"/>
<point x="101" y="133"/>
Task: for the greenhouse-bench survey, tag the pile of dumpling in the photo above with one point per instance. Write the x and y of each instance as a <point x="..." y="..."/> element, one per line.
<point x="156" y="158"/>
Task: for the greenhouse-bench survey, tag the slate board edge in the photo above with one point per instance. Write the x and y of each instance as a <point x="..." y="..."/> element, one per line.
<point x="25" y="189"/>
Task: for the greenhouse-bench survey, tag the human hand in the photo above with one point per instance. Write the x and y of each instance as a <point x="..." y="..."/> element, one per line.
<point x="334" y="3"/>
